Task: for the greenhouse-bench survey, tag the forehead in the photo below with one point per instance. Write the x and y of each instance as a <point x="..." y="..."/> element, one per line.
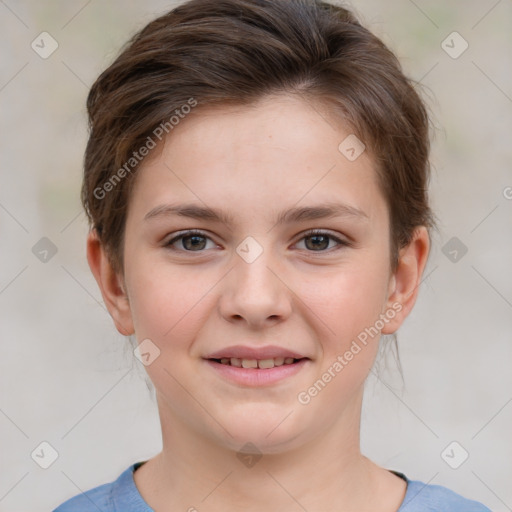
<point x="277" y="127"/>
<point x="282" y="150"/>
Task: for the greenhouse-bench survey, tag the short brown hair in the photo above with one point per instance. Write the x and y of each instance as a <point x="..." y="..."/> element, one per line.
<point x="237" y="52"/>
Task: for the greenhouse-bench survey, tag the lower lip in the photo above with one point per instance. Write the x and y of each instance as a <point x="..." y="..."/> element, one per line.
<point x="256" y="376"/>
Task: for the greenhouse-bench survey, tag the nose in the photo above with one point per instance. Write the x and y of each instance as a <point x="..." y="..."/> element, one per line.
<point x="255" y="293"/>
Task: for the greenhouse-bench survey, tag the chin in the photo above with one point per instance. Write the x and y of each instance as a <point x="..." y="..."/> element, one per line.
<point x="269" y="432"/>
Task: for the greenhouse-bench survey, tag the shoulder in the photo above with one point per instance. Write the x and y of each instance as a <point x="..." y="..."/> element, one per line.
<point x="120" y="495"/>
<point x="421" y="497"/>
<point x="93" y="499"/>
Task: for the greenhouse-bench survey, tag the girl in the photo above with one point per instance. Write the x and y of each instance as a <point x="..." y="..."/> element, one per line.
<point x="256" y="182"/>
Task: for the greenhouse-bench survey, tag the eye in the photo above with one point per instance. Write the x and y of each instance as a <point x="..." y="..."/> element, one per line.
<point x="317" y="240"/>
<point x="190" y="241"/>
<point x="196" y="241"/>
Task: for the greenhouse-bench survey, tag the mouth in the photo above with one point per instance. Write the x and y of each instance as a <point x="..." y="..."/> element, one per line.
<point x="256" y="367"/>
<point x="257" y="364"/>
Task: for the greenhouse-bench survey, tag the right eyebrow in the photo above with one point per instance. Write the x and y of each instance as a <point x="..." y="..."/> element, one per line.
<point x="191" y="210"/>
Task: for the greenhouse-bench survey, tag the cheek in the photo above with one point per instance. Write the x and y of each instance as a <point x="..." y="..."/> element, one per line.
<point x="347" y="306"/>
<point x="166" y="302"/>
<point x="350" y="300"/>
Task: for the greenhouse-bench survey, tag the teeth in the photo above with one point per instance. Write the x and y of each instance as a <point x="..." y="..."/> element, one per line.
<point x="266" y="363"/>
<point x="257" y="363"/>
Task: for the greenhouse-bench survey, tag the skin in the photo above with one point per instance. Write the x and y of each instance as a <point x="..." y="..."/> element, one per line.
<point x="254" y="162"/>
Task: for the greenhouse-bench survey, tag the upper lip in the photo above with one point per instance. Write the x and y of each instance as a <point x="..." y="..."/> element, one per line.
<point x="246" y="352"/>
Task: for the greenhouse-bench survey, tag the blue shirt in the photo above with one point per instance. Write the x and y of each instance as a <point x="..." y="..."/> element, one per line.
<point x="123" y="496"/>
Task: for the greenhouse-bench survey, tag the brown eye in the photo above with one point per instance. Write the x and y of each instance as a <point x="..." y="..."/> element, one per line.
<point x="190" y="241"/>
<point x="319" y="241"/>
<point x="193" y="242"/>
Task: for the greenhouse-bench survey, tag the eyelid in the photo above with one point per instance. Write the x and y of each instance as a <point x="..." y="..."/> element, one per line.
<point x="319" y="231"/>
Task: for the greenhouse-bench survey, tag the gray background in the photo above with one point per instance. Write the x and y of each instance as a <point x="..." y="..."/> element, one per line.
<point x="68" y="378"/>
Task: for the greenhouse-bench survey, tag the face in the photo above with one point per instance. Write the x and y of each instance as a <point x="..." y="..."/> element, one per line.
<point x="253" y="284"/>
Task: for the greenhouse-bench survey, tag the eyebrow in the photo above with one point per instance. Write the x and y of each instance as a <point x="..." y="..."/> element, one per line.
<point x="298" y="214"/>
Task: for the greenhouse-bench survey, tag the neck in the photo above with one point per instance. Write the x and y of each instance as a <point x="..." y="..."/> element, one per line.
<point x="193" y="472"/>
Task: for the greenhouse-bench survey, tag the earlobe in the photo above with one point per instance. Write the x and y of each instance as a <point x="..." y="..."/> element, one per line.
<point x="405" y="281"/>
<point x="111" y="285"/>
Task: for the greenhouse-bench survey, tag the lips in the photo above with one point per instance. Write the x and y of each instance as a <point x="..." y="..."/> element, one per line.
<point x="251" y="353"/>
<point x="253" y="367"/>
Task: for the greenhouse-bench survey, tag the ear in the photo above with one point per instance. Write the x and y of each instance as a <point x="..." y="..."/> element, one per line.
<point x="405" y="280"/>
<point x="111" y="285"/>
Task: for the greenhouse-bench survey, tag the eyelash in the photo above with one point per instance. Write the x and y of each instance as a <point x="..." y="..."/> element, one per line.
<point x="312" y="232"/>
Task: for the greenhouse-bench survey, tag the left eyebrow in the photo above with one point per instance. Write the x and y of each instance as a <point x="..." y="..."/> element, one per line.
<point x="298" y="214"/>
<point x="327" y="210"/>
